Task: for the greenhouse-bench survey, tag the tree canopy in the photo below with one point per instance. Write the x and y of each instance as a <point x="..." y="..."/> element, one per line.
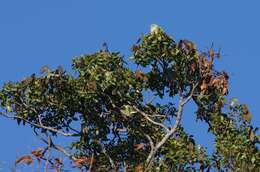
<point x="109" y="112"/>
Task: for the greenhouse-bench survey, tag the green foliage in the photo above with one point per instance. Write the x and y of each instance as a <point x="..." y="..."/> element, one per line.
<point x="102" y="107"/>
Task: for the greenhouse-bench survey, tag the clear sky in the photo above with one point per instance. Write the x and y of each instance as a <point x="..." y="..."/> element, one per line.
<point x="37" y="33"/>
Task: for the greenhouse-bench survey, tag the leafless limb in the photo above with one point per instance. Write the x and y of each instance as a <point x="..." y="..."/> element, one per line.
<point x="157" y="115"/>
<point x="48" y="156"/>
<point x="42" y="126"/>
<point x="170" y="132"/>
<point x="125" y="166"/>
<point x="150" y="120"/>
<point x="57" y="147"/>
<point x="150" y="141"/>
<point x="151" y="144"/>
<point x="91" y="162"/>
<point x="190" y="94"/>
<point x="40" y="119"/>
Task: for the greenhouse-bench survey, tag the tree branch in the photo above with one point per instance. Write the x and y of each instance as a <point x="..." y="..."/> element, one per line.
<point x="190" y="94"/>
<point x="48" y="156"/>
<point x="91" y="162"/>
<point x="42" y="126"/>
<point x="57" y="147"/>
<point x="167" y="135"/>
<point x="150" y="120"/>
<point x="150" y="141"/>
<point x="151" y="145"/>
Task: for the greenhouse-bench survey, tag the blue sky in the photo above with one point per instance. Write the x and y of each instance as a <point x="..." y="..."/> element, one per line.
<point x="37" y="33"/>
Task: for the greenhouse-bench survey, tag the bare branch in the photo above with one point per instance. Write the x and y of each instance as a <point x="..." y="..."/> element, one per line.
<point x="167" y="135"/>
<point x="91" y="162"/>
<point x="150" y="141"/>
<point x="151" y="146"/>
<point x="190" y="94"/>
<point x="42" y="126"/>
<point x="57" y="147"/>
<point x="150" y="120"/>
<point x="48" y="156"/>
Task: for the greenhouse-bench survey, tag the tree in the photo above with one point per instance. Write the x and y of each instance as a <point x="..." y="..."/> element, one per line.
<point x="102" y="108"/>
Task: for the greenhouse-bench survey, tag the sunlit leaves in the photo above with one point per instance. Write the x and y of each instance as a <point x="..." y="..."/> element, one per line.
<point x="127" y="110"/>
<point x="104" y="100"/>
<point x="182" y="153"/>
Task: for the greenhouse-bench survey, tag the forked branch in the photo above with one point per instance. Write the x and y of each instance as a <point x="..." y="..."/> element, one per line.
<point x="146" y="116"/>
<point x="182" y="102"/>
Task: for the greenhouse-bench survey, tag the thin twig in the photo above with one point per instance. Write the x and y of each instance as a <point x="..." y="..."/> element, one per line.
<point x="48" y="156"/>
<point x="57" y="147"/>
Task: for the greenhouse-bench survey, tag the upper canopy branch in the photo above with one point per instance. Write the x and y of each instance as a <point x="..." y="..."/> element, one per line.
<point x="42" y="126"/>
<point x="150" y="120"/>
<point x="169" y="133"/>
<point x="194" y="86"/>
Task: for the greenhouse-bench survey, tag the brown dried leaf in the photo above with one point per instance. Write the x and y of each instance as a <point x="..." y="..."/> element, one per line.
<point x="191" y="146"/>
<point x="79" y="162"/>
<point x="92" y="85"/>
<point x="140" y="75"/>
<point x="189" y="45"/>
<point x="135" y="48"/>
<point x="245" y="109"/>
<point x="104" y="54"/>
<point x="27" y="159"/>
<point x="246" y="115"/>
<point x="203" y="86"/>
<point x="193" y="67"/>
<point x="211" y="53"/>
<point x="38" y="153"/>
<point x="138" y="146"/>
<point x="139" y="168"/>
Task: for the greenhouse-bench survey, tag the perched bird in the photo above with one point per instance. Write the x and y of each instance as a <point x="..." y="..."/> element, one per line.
<point x="155" y="29"/>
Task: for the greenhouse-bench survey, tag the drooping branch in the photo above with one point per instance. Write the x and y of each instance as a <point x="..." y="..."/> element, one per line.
<point x="42" y="126"/>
